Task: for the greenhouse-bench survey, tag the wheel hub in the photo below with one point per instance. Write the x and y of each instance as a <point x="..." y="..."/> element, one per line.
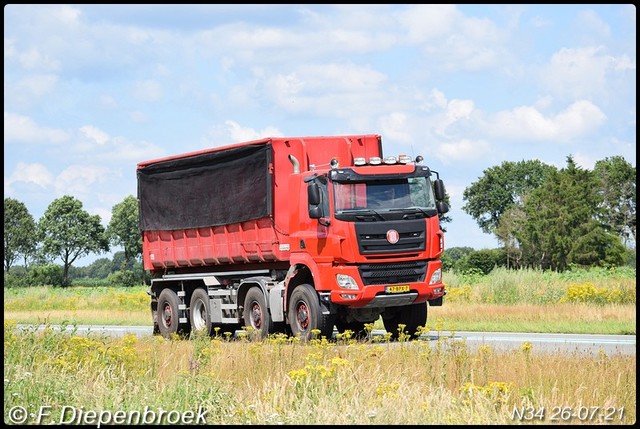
<point x="303" y="316"/>
<point x="167" y="315"/>
<point x="256" y="316"/>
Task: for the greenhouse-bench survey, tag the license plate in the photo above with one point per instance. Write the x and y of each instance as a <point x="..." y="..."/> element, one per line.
<point x="396" y="289"/>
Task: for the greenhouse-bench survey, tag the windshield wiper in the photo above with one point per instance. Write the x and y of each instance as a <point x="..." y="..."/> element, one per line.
<point x="414" y="210"/>
<point x="362" y="212"/>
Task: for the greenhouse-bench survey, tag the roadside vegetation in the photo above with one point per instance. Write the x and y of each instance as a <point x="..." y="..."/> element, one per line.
<point x="282" y="381"/>
<point x="593" y="301"/>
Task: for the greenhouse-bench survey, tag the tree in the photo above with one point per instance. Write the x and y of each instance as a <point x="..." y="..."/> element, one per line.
<point x="508" y="231"/>
<point x="561" y="226"/>
<point x="502" y="187"/>
<point x="68" y="232"/>
<point x="20" y="236"/>
<point x="618" y="189"/>
<point x="123" y="229"/>
<point x="453" y="255"/>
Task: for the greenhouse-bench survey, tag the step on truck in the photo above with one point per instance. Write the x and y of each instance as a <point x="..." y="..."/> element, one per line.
<point x="291" y="234"/>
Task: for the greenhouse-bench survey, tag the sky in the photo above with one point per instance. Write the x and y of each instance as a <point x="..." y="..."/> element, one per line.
<point x="91" y="90"/>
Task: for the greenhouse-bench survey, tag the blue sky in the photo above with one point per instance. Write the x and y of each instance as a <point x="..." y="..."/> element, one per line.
<point x="91" y="90"/>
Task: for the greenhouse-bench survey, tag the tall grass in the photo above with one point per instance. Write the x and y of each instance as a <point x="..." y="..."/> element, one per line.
<point x="282" y="381"/>
<point x="528" y="286"/>
<point x="598" y="301"/>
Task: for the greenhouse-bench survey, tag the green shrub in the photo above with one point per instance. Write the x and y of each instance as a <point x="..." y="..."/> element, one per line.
<point x="123" y="278"/>
<point x="484" y="260"/>
<point x="46" y="275"/>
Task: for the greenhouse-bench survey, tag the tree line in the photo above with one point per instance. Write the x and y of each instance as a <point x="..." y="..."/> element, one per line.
<point x="552" y="218"/>
<point x="544" y="217"/>
<point x="67" y="232"/>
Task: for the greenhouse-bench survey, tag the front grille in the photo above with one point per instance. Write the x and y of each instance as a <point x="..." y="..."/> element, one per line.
<point x="372" y="236"/>
<point x="393" y="273"/>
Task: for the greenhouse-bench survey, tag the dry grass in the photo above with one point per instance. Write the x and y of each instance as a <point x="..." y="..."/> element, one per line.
<point x="282" y="381"/>
<point x="82" y="317"/>
<point x="567" y="318"/>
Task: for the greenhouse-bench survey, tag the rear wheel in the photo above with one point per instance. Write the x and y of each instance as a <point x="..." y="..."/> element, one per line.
<point x="200" y="311"/>
<point x="256" y="314"/>
<point x="169" y="315"/>
<point x="305" y="315"/>
<point x="411" y="316"/>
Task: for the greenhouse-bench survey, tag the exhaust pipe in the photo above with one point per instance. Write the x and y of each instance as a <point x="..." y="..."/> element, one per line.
<point x="296" y="164"/>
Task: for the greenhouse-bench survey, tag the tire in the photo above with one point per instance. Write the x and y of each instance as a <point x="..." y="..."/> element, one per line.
<point x="305" y="314"/>
<point x="200" y="311"/>
<point x="169" y="315"/>
<point x="356" y="327"/>
<point x="412" y="316"/>
<point x="256" y="314"/>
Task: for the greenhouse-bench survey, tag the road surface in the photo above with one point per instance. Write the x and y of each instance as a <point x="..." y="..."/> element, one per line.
<point x="503" y="341"/>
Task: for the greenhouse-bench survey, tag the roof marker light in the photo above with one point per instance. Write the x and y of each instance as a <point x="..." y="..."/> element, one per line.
<point x="375" y="160"/>
<point x="359" y="161"/>
<point x="390" y="159"/>
<point x="404" y="159"/>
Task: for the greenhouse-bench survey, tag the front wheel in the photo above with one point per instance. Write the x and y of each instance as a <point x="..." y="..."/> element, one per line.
<point x="305" y="314"/>
<point x="411" y="316"/>
<point x="256" y="314"/>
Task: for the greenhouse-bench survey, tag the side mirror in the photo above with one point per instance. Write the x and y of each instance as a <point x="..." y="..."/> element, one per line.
<point x="442" y="207"/>
<point x="313" y="193"/>
<point x="315" y="212"/>
<point x="439" y="189"/>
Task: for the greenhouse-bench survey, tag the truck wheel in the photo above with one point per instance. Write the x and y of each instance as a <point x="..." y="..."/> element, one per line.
<point x="169" y="314"/>
<point x="356" y="327"/>
<point x="412" y="316"/>
<point x="305" y="314"/>
<point x="256" y="314"/>
<point x="200" y="311"/>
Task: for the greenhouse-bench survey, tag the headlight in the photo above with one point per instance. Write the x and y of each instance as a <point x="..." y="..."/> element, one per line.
<point x="346" y="282"/>
<point x="436" y="277"/>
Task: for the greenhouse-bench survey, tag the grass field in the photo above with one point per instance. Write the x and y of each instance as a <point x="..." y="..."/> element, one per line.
<point x="597" y="301"/>
<point x="54" y="377"/>
<point x="90" y="380"/>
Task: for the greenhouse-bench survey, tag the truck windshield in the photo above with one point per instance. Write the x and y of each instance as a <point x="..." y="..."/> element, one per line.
<point x="382" y="198"/>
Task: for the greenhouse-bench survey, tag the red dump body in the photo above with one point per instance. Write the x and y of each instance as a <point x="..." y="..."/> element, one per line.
<point x="230" y="206"/>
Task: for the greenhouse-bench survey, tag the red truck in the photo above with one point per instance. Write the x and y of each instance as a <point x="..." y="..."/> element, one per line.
<point x="293" y="235"/>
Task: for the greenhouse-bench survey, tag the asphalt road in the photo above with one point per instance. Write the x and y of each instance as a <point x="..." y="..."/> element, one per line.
<point x="503" y="341"/>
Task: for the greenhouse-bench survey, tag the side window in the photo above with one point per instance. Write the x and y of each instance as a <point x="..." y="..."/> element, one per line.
<point x="420" y="193"/>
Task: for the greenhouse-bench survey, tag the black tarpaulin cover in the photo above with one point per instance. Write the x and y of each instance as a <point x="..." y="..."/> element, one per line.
<point x="209" y="189"/>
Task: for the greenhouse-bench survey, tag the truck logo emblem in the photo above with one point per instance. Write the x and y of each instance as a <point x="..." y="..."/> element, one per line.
<point x="393" y="236"/>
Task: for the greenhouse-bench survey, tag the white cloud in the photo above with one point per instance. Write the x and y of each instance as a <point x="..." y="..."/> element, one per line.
<point x="462" y="150"/>
<point x="241" y="134"/>
<point x="582" y="72"/>
<point x="94" y="134"/>
<point x="77" y="180"/>
<point x="426" y="22"/>
<point x="394" y="127"/>
<point x="528" y="123"/>
<point x="18" y="128"/>
<point x="456" y="110"/>
<point x="593" y="23"/>
<point x="29" y="89"/>
<point x="30" y="174"/>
